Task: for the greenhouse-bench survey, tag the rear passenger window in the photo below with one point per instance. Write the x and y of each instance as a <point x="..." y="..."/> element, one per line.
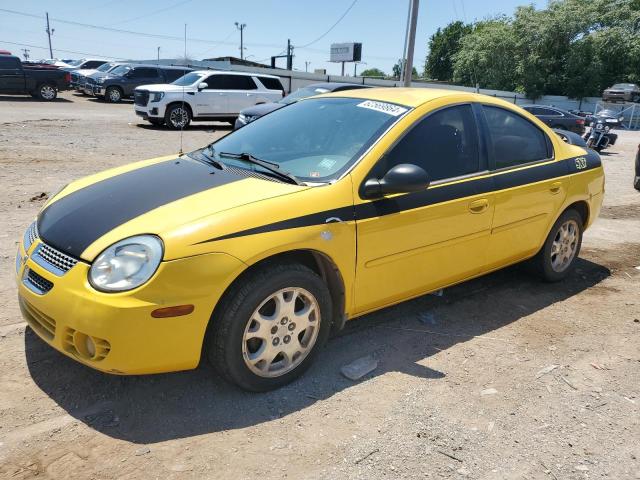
<point x="230" y="82"/>
<point x="173" y="75"/>
<point x="445" y="144"/>
<point x="271" y="83"/>
<point x="514" y="139"/>
<point x="9" y="62"/>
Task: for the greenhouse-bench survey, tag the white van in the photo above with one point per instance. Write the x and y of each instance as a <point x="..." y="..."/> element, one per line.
<point x="205" y="95"/>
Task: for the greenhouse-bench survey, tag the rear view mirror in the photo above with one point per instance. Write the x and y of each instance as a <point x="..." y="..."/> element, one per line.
<point x="202" y="85"/>
<point x="403" y="178"/>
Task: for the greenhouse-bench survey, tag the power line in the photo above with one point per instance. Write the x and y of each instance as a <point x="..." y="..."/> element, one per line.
<point x="148" y="14"/>
<point x="332" y="26"/>
<point x="132" y="32"/>
<point x="60" y="50"/>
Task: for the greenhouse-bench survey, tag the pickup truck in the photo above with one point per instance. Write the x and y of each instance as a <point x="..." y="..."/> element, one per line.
<point x="41" y="83"/>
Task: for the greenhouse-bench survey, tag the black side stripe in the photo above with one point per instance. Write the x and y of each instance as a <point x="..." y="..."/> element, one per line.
<point x="75" y="221"/>
<point x="388" y="206"/>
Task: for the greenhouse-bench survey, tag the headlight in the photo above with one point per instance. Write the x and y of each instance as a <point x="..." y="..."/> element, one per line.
<point x="157" y="96"/>
<point x="100" y="81"/>
<point x="126" y="264"/>
<point x="242" y="117"/>
<point x="599" y="126"/>
<point x="607" y="128"/>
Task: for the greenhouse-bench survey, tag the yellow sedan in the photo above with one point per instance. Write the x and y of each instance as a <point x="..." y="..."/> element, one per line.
<point x="254" y="248"/>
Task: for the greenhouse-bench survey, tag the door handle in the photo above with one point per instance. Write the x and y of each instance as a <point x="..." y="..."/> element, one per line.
<point x="479" y="206"/>
<point x="555" y="187"/>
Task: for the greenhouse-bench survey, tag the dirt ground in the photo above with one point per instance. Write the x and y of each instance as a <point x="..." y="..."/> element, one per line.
<point x="465" y="387"/>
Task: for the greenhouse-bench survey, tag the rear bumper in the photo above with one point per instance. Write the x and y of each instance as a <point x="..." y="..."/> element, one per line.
<point x="126" y="338"/>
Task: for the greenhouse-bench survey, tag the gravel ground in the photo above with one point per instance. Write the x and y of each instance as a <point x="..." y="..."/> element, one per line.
<point x="502" y="377"/>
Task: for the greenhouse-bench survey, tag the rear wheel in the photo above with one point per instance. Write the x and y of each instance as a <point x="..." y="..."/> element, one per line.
<point x="177" y="117"/>
<point x="270" y="327"/>
<point x="47" y="92"/>
<point x="113" y="95"/>
<point x="558" y="255"/>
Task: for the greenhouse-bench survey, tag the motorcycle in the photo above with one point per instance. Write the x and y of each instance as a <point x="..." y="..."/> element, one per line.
<point x="600" y="136"/>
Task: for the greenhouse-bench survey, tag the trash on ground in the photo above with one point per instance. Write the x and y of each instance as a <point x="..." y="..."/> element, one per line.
<point x="489" y="391"/>
<point x="359" y="368"/>
<point x="546" y="370"/>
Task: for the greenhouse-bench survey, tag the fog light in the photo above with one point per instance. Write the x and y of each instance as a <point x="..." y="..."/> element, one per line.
<point x="91" y="347"/>
<point x="84" y="345"/>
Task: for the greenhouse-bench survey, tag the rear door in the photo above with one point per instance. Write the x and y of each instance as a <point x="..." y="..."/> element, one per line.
<point x="11" y="75"/>
<point x="242" y="93"/>
<point x="530" y="185"/>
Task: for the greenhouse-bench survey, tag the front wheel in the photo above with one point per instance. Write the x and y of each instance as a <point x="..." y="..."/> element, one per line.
<point x="558" y="255"/>
<point x="47" y="92"/>
<point x="269" y="327"/>
<point x="113" y="95"/>
<point x="177" y="117"/>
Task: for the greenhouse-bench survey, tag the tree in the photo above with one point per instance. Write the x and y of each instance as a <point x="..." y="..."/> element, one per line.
<point x="397" y="70"/>
<point x="486" y="56"/>
<point x="443" y="45"/>
<point x="373" y="72"/>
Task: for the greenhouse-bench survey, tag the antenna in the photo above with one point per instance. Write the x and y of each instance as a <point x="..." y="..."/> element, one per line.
<point x="184" y="120"/>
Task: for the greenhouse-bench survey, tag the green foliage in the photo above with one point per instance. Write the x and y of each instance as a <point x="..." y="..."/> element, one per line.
<point x="443" y="45"/>
<point x="373" y="72"/>
<point x="397" y="70"/>
<point x="573" y="47"/>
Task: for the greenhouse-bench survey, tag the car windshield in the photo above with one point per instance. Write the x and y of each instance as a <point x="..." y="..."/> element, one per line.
<point x="188" y="79"/>
<point x="120" y="70"/>
<point x="76" y="63"/>
<point x="302" y="93"/>
<point x="105" y="67"/>
<point x="315" y="140"/>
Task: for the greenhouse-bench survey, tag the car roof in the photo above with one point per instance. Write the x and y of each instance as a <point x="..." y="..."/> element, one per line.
<point x="229" y="72"/>
<point x="410" y="97"/>
<point x="151" y="65"/>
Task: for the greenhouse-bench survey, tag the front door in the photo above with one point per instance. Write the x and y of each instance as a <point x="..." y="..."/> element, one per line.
<point x="214" y="100"/>
<point x="410" y="244"/>
<point x="530" y="185"/>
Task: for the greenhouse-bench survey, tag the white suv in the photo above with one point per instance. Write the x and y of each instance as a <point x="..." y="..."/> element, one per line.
<point x="205" y="95"/>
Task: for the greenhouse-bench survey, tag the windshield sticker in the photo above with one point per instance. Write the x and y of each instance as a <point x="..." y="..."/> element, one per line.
<point x="327" y="163"/>
<point x="314" y="174"/>
<point x="383" y="107"/>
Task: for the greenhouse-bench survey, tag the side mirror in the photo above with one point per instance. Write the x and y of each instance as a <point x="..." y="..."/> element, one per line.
<point x="202" y="85"/>
<point x="403" y="178"/>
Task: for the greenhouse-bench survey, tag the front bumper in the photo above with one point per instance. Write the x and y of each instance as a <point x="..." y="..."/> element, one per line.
<point x="127" y="339"/>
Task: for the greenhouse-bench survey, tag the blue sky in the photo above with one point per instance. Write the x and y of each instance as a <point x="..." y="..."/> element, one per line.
<point x="378" y="24"/>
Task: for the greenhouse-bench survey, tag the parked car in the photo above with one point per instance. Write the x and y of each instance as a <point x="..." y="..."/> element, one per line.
<point x="78" y="76"/>
<point x="205" y="95"/>
<point x="41" y="83"/>
<point x="123" y="80"/>
<point x="250" y="251"/>
<point x="557" y="118"/>
<point x="5" y="52"/>
<point x="85" y="63"/>
<point x="624" y="92"/>
<point x="253" y="113"/>
<point x="89" y="82"/>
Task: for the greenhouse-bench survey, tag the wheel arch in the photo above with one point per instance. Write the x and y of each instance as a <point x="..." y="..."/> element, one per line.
<point x="180" y="102"/>
<point x="315" y="260"/>
<point x="582" y="207"/>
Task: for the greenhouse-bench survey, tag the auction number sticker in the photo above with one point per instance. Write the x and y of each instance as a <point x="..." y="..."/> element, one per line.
<point x="388" y="108"/>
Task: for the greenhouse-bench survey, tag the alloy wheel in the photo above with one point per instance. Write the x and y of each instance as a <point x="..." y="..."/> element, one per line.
<point x="281" y="332"/>
<point x="47" y="92"/>
<point x="564" y="246"/>
<point x="178" y="117"/>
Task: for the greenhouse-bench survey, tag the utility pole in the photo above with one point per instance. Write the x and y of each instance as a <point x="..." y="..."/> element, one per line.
<point x="158" y="55"/>
<point x="355" y="67"/>
<point x="49" y="33"/>
<point x="306" y="65"/>
<point x="241" y="27"/>
<point x="289" y="55"/>
<point x="411" y="42"/>
<point x="25" y="53"/>
<point x="342" y="74"/>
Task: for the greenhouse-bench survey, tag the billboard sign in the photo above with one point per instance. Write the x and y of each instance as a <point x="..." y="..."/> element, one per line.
<point x="346" y="52"/>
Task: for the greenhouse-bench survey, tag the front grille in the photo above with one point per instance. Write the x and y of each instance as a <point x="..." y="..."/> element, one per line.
<point x="30" y="236"/>
<point x="141" y="97"/>
<point x="36" y="282"/>
<point x="251" y="173"/>
<point x="38" y="321"/>
<point x="60" y="262"/>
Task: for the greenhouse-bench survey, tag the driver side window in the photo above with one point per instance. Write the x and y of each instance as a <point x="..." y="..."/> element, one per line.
<point x="444" y="144"/>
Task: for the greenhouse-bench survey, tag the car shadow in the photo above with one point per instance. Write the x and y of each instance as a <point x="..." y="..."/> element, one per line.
<point x="197" y="127"/>
<point x="155" y="408"/>
<point x="29" y="98"/>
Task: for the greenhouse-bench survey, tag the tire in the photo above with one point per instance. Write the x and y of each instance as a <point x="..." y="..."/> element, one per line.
<point x="177" y="117"/>
<point x="113" y="95"/>
<point x="249" y="310"/>
<point x="156" y="121"/>
<point x="553" y="267"/>
<point x="47" y="92"/>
